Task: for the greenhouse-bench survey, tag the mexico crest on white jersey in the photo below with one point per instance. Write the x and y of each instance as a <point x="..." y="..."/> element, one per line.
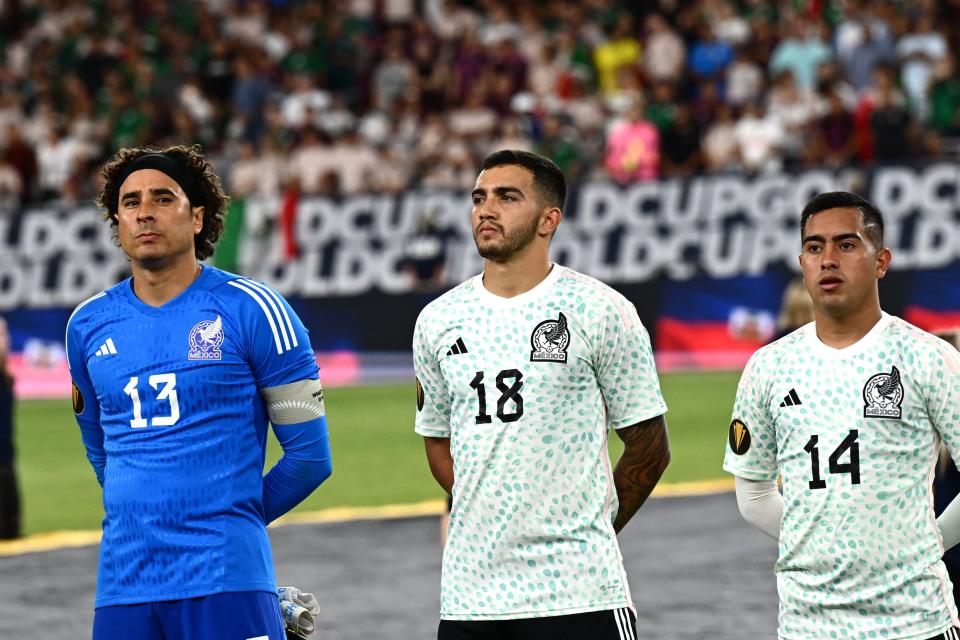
<point x="549" y="341"/>
<point x="205" y="340"/>
<point x="883" y="395"/>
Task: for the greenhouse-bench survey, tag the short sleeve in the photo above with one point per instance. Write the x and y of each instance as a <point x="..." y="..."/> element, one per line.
<point x="943" y="397"/>
<point x="751" y="437"/>
<point x="433" y="400"/>
<point x="626" y="371"/>
<point x="276" y="342"/>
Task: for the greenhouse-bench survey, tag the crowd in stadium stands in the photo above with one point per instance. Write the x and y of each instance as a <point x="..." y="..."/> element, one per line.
<point x="347" y="96"/>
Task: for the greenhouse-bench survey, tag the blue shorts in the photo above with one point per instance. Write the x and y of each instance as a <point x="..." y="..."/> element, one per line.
<point x="244" y="615"/>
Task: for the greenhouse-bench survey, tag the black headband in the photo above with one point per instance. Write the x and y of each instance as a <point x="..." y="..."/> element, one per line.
<point x="166" y="164"/>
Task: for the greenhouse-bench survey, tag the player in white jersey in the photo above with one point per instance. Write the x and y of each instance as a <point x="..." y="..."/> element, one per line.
<point x="850" y="411"/>
<point x="522" y="371"/>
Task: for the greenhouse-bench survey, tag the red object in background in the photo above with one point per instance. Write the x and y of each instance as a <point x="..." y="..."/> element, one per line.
<point x="288" y="220"/>
<point x="932" y="321"/>
<point x="700" y="345"/>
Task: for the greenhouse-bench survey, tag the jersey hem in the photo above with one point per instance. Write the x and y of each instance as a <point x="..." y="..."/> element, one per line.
<point x="184" y="595"/>
<point x="634" y="419"/>
<point x="519" y="615"/>
<point x="923" y="635"/>
<point x="432" y="433"/>
<point x="748" y="474"/>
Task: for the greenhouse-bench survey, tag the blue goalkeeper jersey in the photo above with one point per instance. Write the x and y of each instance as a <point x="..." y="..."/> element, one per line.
<point x="169" y="405"/>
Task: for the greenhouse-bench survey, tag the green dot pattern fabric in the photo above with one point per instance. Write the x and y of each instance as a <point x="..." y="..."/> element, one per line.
<point x="527" y="388"/>
<point x="855" y="434"/>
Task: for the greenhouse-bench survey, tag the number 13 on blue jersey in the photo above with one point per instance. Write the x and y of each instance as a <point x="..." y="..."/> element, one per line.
<point x="168" y="392"/>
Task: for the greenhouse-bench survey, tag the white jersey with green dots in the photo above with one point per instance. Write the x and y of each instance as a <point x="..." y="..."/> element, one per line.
<point x="855" y="434"/>
<point x="526" y="388"/>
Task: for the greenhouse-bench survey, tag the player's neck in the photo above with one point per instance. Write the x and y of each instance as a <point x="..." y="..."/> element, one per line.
<point x="516" y="276"/>
<point x="158" y="286"/>
<point x="844" y="330"/>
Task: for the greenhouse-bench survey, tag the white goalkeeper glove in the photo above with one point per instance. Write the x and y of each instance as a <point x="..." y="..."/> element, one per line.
<point x="300" y="611"/>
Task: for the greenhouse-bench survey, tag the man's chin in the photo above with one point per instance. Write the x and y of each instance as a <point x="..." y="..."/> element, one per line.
<point x="494" y="252"/>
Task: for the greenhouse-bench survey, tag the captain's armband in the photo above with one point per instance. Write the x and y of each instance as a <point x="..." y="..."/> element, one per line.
<point x="294" y="403"/>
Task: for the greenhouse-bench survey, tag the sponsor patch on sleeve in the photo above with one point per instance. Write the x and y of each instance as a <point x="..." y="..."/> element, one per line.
<point x="77" y="399"/>
<point x="739" y="437"/>
<point x="419" y="396"/>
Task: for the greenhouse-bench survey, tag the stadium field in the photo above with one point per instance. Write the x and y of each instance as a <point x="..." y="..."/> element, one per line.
<point x="377" y="460"/>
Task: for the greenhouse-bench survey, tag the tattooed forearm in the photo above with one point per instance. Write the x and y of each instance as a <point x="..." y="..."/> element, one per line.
<point x="645" y="456"/>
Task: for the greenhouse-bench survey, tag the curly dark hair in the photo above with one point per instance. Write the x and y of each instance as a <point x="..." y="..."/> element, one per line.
<point x="214" y="203"/>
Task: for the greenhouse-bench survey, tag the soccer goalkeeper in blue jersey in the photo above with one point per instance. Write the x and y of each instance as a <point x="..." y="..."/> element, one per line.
<point x="176" y="373"/>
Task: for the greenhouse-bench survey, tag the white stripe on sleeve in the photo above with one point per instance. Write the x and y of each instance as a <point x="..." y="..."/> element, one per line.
<point x="283" y="309"/>
<point x="266" y="312"/>
<point x="265" y="292"/>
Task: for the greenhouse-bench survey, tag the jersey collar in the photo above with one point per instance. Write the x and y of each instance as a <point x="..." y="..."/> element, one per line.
<point x="858" y="347"/>
<point x="143" y="307"/>
<point x="497" y="301"/>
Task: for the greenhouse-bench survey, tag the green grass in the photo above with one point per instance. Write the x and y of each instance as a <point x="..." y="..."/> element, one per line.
<point x="376" y="456"/>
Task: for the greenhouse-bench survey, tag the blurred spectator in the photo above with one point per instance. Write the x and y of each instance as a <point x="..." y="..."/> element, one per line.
<point x="945" y="99"/>
<point x="426" y="255"/>
<point x="794" y="108"/>
<point x="664" y="53"/>
<point x="919" y="51"/>
<point x="59" y="157"/>
<point x="618" y="54"/>
<point x="728" y="25"/>
<point x="873" y="48"/>
<point x="662" y="108"/>
<point x="394" y="78"/>
<point x="759" y="138"/>
<point x="22" y="158"/>
<point x="709" y="56"/>
<point x="310" y="162"/>
<point x="633" y="148"/>
<point x="890" y="126"/>
<point x="835" y="143"/>
<point x="801" y="51"/>
<point x="721" y="148"/>
<point x="303" y="101"/>
<point x="11" y="188"/>
<point x="744" y="78"/>
<point x="9" y="493"/>
<point x="511" y="136"/>
<point x="559" y="143"/>
<point x="680" y="145"/>
<point x="796" y="309"/>
<point x="474" y="119"/>
<point x="352" y="159"/>
<point x="256" y="173"/>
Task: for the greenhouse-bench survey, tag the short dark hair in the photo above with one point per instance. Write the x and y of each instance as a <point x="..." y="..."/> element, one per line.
<point x="547" y="176"/>
<point x="214" y="201"/>
<point x="872" y="219"/>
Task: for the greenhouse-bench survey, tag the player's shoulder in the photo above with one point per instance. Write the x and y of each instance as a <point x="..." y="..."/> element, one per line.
<point x="597" y="294"/>
<point x="920" y="342"/>
<point x="96" y="305"/>
<point x="451" y="302"/>
<point x="771" y="355"/>
<point x="239" y="290"/>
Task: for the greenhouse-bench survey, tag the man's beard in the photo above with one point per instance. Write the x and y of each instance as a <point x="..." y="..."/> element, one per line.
<point x="511" y="244"/>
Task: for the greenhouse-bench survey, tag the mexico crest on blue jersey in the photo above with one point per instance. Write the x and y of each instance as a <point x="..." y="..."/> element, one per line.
<point x="550" y="340"/>
<point x="205" y="340"/>
<point x="883" y="395"/>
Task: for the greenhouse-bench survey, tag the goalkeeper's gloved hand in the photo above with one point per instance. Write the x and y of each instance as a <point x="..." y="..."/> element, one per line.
<point x="300" y="611"/>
